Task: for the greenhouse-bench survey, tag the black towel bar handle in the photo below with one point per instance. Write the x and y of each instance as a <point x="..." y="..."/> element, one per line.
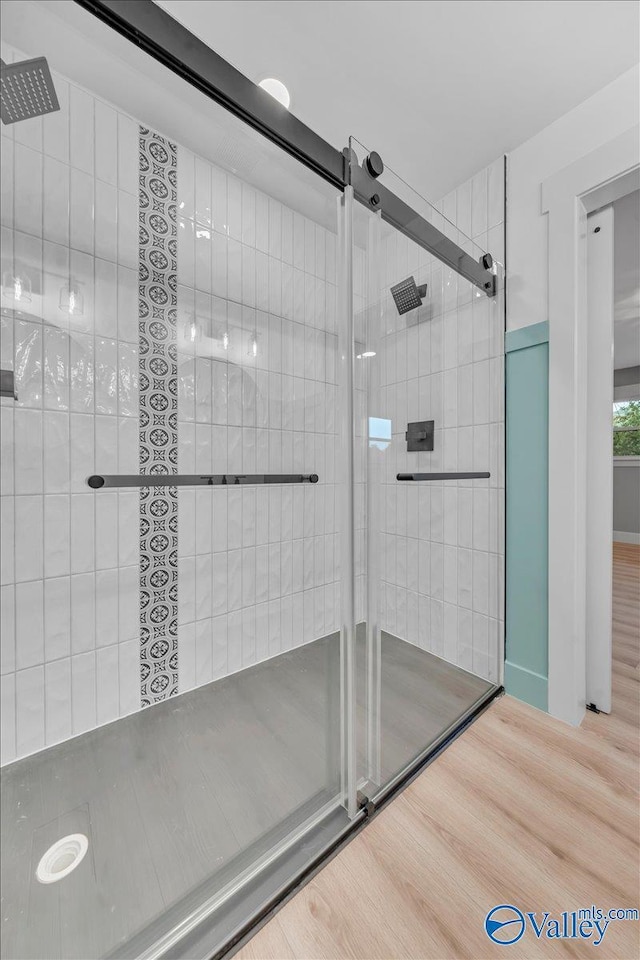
<point x="98" y="481"/>
<point x="443" y="476"/>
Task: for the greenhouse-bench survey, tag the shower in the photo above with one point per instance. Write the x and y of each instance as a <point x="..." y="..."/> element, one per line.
<point x="407" y="295"/>
<point x="251" y="606"/>
<point x="27" y="90"/>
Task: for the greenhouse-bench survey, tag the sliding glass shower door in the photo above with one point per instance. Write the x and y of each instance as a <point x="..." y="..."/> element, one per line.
<point x="171" y="684"/>
<point x="428" y="487"/>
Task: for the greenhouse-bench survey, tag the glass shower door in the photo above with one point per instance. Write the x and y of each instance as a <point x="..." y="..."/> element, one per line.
<point x="171" y="682"/>
<point x="428" y="483"/>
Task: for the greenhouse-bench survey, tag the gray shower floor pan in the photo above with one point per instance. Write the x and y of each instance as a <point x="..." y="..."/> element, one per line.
<point x="187" y="794"/>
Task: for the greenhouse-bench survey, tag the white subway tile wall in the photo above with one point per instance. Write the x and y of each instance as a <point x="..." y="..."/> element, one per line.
<point x="259" y="567"/>
<point x="70" y="596"/>
<point x="257" y="393"/>
<point x="441" y="545"/>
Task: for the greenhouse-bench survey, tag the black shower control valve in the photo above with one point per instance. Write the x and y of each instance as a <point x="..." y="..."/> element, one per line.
<point x="7" y="384"/>
<point x="419" y="436"/>
<point x="374" y="165"/>
<point x="487" y="262"/>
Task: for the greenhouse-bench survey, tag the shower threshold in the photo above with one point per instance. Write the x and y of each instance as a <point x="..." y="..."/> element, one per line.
<point x="210" y="804"/>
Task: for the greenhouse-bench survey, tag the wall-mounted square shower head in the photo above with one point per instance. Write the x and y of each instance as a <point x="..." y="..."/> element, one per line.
<point x="407" y="295"/>
<point x="27" y="90"/>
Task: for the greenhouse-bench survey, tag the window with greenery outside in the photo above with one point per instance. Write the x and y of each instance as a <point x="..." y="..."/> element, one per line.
<point x="626" y="428"/>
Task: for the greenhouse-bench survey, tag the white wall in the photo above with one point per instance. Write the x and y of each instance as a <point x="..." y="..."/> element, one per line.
<point x="258" y="567"/>
<point x="599" y="119"/>
<point x="626" y="499"/>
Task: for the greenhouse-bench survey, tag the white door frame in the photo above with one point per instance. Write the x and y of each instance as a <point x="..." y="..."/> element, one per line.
<point x="596" y="179"/>
<point x="599" y="520"/>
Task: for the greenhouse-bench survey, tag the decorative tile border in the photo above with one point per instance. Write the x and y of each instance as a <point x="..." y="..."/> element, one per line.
<point x="157" y="302"/>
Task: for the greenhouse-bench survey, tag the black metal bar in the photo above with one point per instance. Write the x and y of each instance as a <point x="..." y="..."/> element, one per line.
<point x="98" y="481"/>
<point x="404" y="218"/>
<point x="443" y="476"/>
<point x="148" y="26"/>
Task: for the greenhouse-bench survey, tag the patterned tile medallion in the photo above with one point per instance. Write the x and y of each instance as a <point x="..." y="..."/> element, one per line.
<point x="157" y="302"/>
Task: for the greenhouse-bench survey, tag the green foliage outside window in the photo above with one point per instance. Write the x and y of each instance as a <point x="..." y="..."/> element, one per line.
<point x="626" y="443"/>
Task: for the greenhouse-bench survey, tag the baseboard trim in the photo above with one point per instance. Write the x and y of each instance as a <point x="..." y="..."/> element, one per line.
<point x="526" y="685"/>
<point x="622" y="537"/>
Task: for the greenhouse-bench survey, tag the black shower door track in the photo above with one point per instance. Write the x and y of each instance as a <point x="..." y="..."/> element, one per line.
<point x="152" y="29"/>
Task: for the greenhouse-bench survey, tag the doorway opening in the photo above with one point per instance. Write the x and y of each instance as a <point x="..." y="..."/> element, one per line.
<point x="613" y="453"/>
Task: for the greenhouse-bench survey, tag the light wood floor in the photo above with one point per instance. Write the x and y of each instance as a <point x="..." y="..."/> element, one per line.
<point x="521" y="809"/>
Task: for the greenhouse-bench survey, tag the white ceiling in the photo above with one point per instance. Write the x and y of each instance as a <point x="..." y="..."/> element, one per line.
<point x="626" y="268"/>
<point x="439" y="87"/>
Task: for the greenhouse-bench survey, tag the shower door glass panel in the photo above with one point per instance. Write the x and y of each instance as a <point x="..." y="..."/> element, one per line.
<point x="171" y="659"/>
<point x="429" y="554"/>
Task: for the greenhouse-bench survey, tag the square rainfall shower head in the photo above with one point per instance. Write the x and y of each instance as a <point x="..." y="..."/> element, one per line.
<point x="407" y="295"/>
<point x="27" y="90"/>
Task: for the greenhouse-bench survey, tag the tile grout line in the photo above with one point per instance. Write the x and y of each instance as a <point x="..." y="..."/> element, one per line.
<point x="96" y="546"/>
<point x="13" y="416"/>
<point x="42" y="448"/>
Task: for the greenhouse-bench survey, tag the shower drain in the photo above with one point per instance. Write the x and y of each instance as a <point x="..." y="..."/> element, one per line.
<point x="61" y="858"/>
